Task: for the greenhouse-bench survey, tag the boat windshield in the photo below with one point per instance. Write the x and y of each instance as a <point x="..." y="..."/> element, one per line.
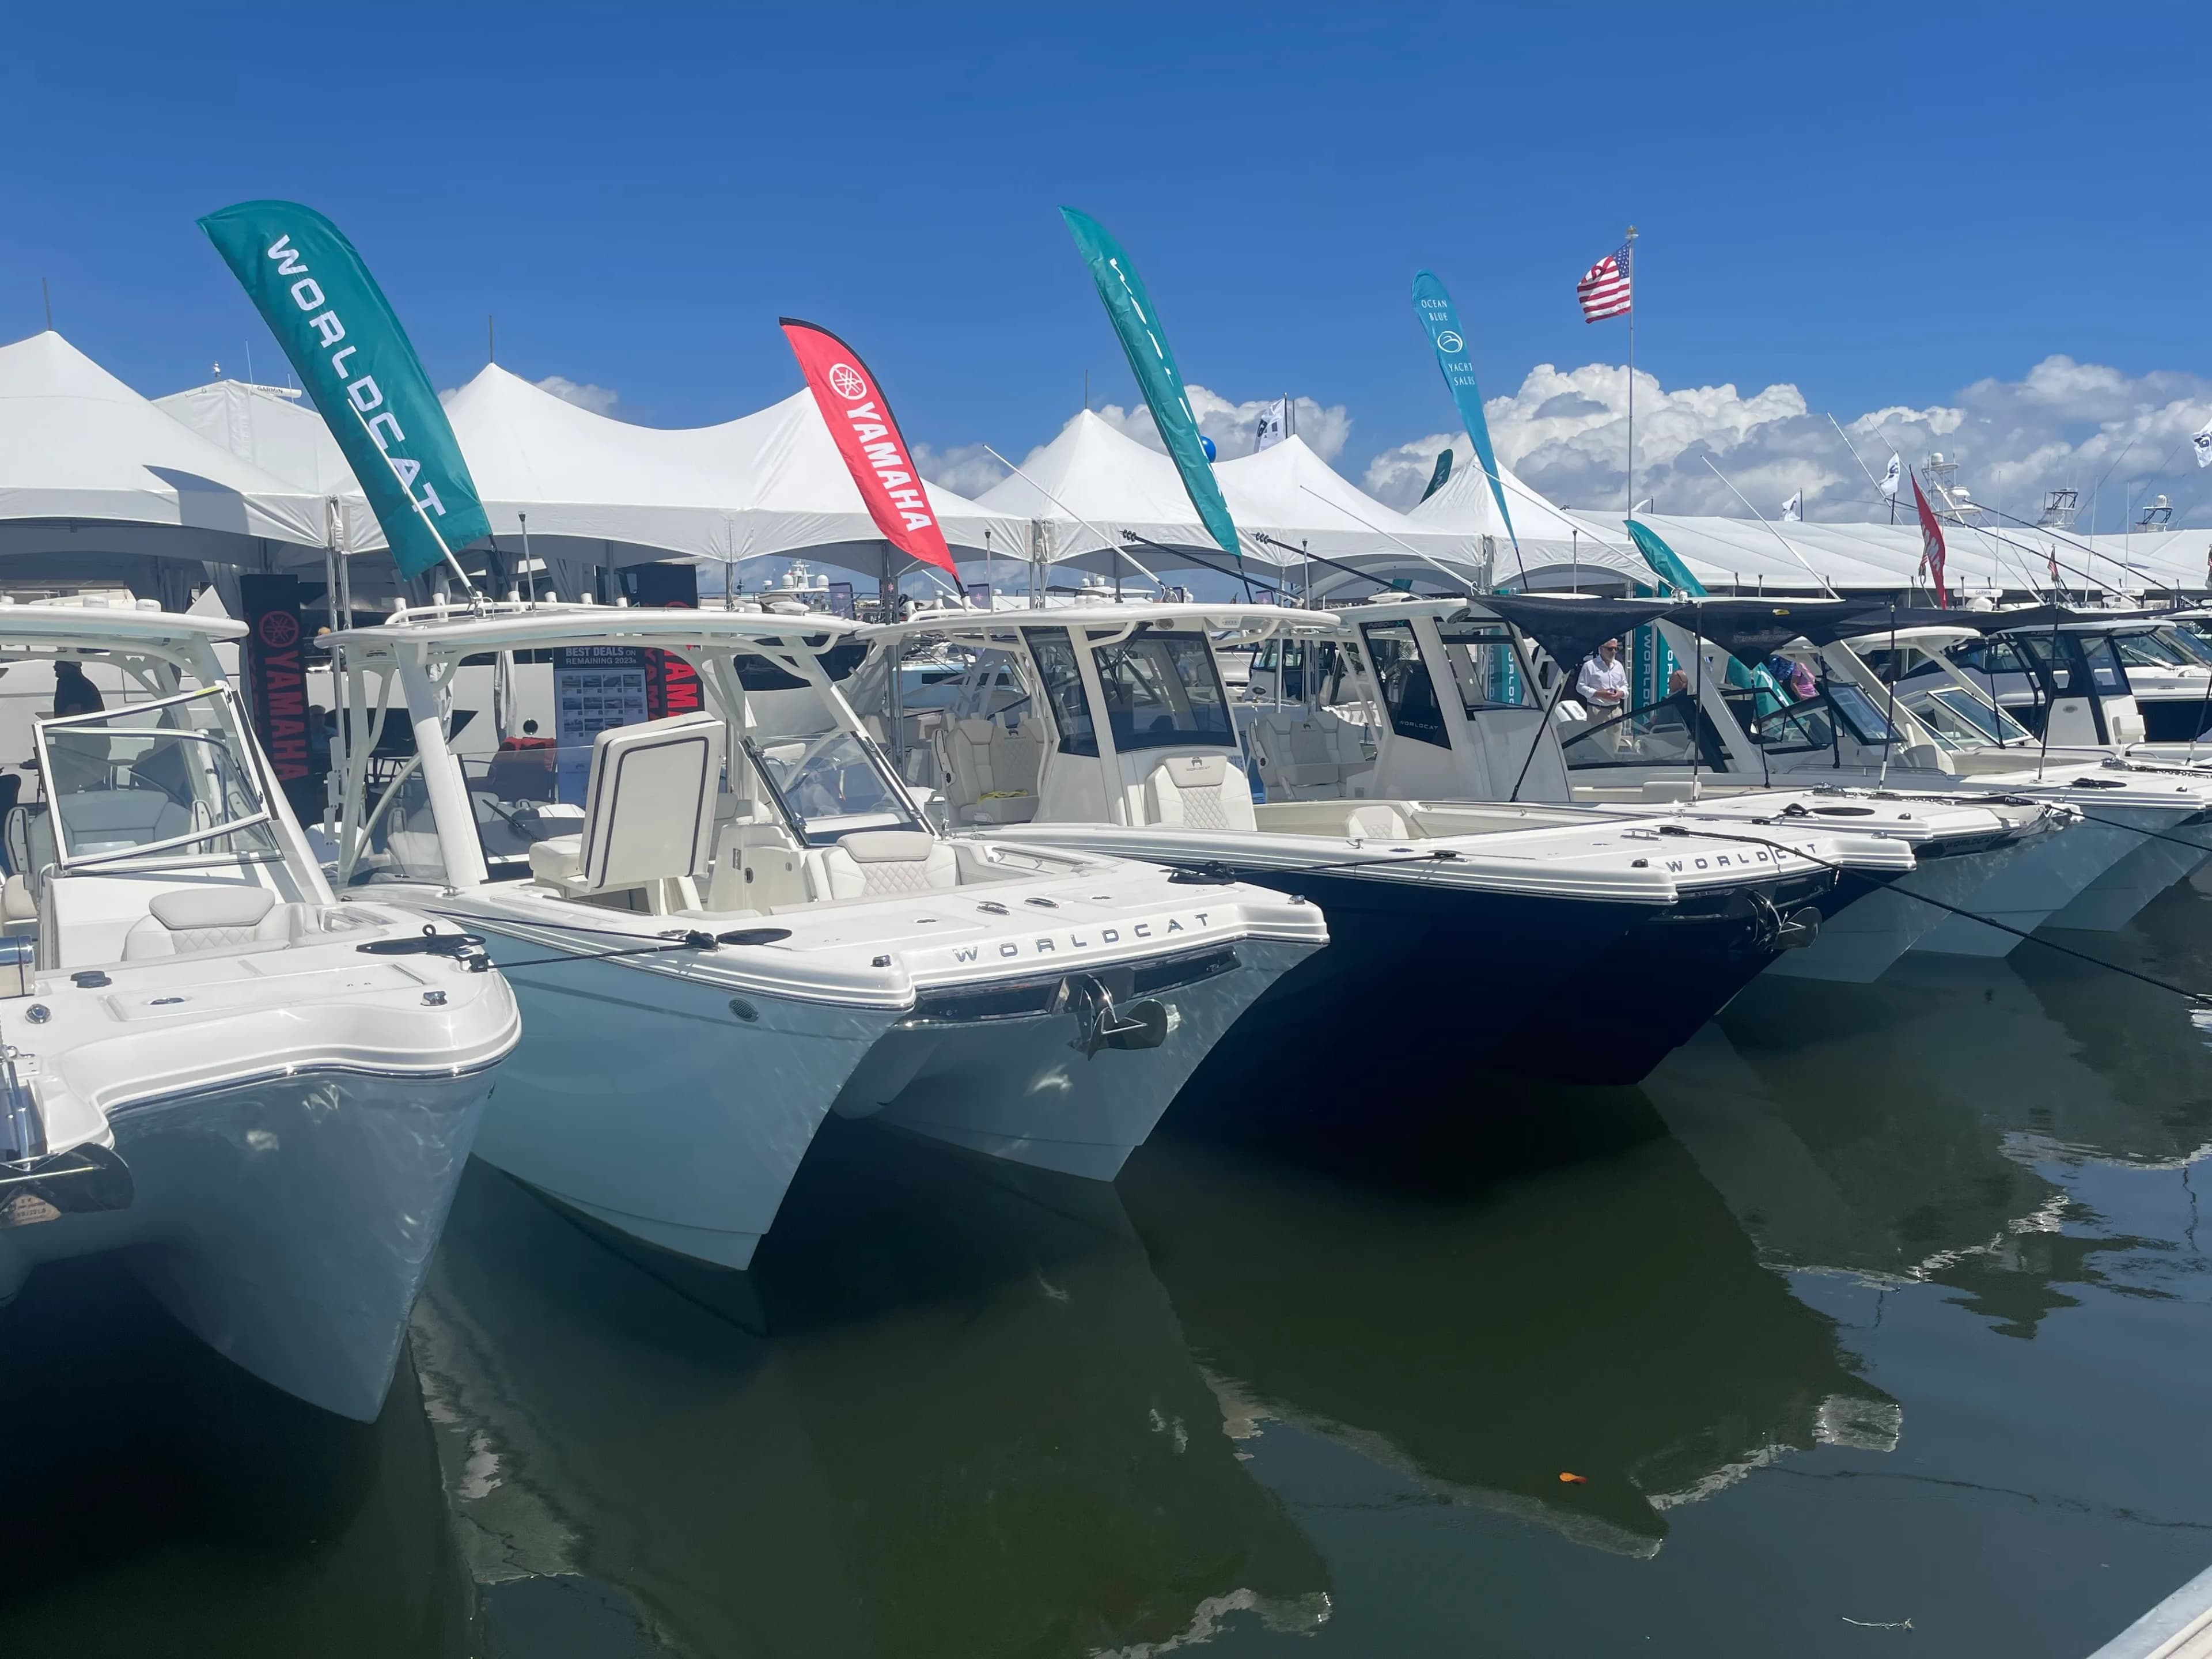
<point x="2187" y="644"/>
<point x="830" y="784"/>
<point x="1484" y="669"/>
<point x="1162" y="692"/>
<point x="1862" y="713"/>
<point x="1659" y="735"/>
<point x="172" y="780"/>
<point x="1055" y="655"/>
<point x="2158" y="650"/>
<point x="1403" y="680"/>
<point x="1958" y="720"/>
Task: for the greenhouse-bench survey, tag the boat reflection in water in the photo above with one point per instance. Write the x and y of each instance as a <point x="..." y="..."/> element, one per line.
<point x="155" y="1499"/>
<point x="1606" y="1318"/>
<point x="949" y="1411"/>
<point x="1937" y="1150"/>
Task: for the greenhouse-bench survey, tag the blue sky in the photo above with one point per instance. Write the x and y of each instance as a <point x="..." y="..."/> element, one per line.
<point x="1879" y="207"/>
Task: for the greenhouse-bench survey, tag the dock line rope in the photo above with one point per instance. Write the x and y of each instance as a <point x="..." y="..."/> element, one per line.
<point x="692" y="938"/>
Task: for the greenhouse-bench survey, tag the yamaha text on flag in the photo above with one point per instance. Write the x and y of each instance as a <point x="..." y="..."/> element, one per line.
<point x="1604" y="289"/>
<point x="337" y="329"/>
<point x="1434" y="307"/>
<point x="1931" y="544"/>
<point x="860" y="419"/>
<point x="1138" y="326"/>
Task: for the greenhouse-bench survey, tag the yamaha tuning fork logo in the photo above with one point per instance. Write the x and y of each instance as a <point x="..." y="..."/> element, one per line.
<point x="847" y="381"/>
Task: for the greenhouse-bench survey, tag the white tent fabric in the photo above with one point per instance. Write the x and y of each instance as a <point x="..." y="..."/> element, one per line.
<point x="769" y="483"/>
<point x="1744" y="555"/>
<point x="598" y="491"/>
<point x="87" y="467"/>
<point x="1555" y="548"/>
<point x="1094" y="482"/>
<point x="278" y="431"/>
<point x="1091" y="483"/>
<point x="1290" y="495"/>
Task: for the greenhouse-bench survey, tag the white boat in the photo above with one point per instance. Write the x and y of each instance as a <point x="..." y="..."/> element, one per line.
<point x="1369" y="721"/>
<point x="725" y="923"/>
<point x="264" y="1095"/>
<point x="1537" y="917"/>
<point x="2140" y="824"/>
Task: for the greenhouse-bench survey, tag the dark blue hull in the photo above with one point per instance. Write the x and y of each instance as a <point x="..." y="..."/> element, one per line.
<point x="1418" y="979"/>
<point x="1619" y="1016"/>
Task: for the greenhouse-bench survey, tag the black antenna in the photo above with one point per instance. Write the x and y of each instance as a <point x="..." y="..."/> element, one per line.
<point x="491" y="341"/>
<point x="46" y="294"/>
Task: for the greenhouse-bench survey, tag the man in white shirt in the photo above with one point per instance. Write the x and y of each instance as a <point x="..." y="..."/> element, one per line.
<point x="1603" y="683"/>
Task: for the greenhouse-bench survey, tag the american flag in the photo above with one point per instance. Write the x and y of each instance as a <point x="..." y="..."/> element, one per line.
<point x="1604" y="290"/>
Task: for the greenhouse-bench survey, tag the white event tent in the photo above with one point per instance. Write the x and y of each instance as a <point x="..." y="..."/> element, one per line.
<point x="1987" y="559"/>
<point x="1288" y="494"/>
<point x="595" y="492"/>
<point x="1547" y="548"/>
<point x="97" y="484"/>
<point x="272" y="427"/>
<point x="1093" y="484"/>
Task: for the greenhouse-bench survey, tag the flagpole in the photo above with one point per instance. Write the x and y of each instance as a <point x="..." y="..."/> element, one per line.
<point x="1630" y="274"/>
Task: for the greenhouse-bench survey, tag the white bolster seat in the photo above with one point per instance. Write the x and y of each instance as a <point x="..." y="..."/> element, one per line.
<point x="30" y="835"/>
<point x="215" y="917"/>
<point x="992" y="771"/>
<point x="1200" y="792"/>
<point x="1379" y="823"/>
<point x="649" y="812"/>
<point x="1306" y="756"/>
<point x="881" y="864"/>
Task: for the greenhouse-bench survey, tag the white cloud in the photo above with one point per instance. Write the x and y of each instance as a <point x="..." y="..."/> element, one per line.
<point x="2064" y="425"/>
<point x="599" y="399"/>
<point x="966" y="468"/>
<point x="1234" y="427"/>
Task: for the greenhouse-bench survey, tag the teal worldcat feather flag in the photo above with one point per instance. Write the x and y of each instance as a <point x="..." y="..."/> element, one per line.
<point x="1441" y="476"/>
<point x="335" y="325"/>
<point x="1138" y="324"/>
<point x="1434" y="307"/>
<point x="1664" y="560"/>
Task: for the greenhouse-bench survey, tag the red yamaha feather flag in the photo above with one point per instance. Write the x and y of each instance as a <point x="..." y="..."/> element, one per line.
<point x="1931" y="544"/>
<point x="860" y="419"/>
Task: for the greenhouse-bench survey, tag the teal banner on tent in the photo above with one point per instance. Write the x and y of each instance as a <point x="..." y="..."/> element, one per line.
<point x="351" y="353"/>
<point x="1138" y="324"/>
<point x="1434" y="307"/>
<point x="1438" y="478"/>
<point x="1664" y="560"/>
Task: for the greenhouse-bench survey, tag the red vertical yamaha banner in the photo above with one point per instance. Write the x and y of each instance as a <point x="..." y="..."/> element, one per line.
<point x="277" y="688"/>
<point x="860" y="419"/>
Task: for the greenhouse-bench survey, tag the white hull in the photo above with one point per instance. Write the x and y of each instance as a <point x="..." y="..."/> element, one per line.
<point x="288" y="1223"/>
<point x="638" y="1097"/>
<point x="2114" y="898"/>
<point x="2034" y="887"/>
<point x="1857" y="947"/>
<point x="1018" y="1088"/>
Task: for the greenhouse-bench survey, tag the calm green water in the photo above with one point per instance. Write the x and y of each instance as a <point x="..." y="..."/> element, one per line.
<point x="1874" y="1304"/>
